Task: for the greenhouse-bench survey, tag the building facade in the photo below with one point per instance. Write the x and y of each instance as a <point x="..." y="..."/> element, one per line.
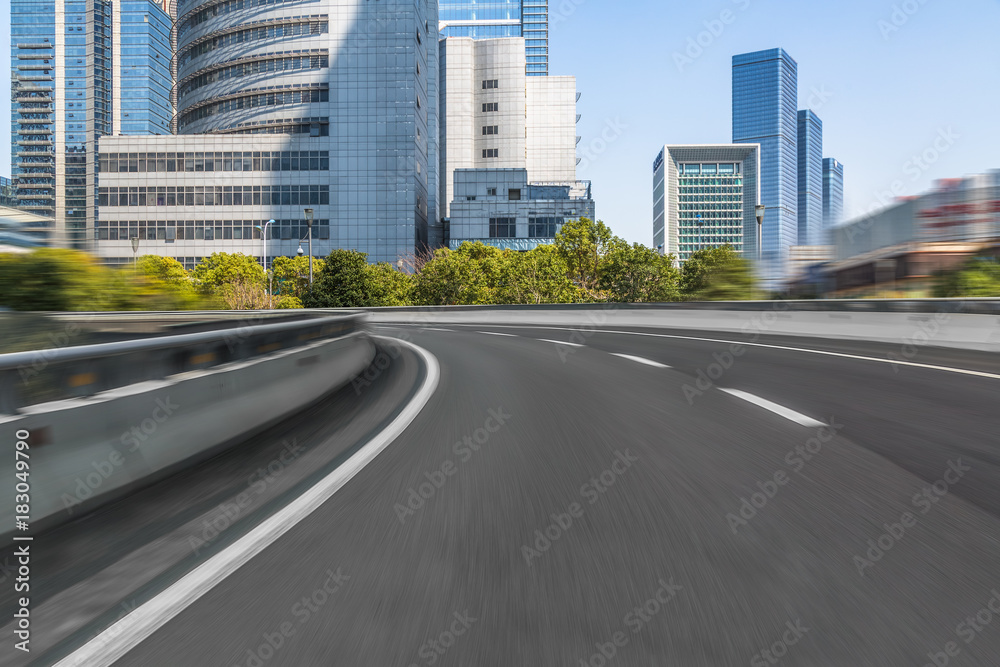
<point x="833" y="192"/>
<point x="810" y="178"/>
<point x="500" y="207"/>
<point x="496" y="117"/>
<point x="486" y="20"/>
<point x="765" y="102"/>
<point x="342" y="100"/>
<point x="704" y="196"/>
<point x="67" y="61"/>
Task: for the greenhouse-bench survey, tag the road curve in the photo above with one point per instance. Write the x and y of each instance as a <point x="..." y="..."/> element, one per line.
<point x="627" y="498"/>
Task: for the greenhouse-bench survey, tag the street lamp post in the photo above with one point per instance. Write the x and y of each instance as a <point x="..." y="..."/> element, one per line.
<point x="759" y="213"/>
<point x="309" y="224"/>
<point x="263" y="259"/>
<point x="135" y="255"/>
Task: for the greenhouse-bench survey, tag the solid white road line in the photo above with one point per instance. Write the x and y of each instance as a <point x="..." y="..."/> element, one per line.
<point x="560" y="342"/>
<point x="843" y="355"/>
<point x="496" y="333"/>
<point x="792" y="415"/>
<point x="124" y="635"/>
<point x="648" y="362"/>
<point x="436" y="329"/>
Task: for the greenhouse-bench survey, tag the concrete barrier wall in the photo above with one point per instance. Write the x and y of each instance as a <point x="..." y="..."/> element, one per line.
<point x="89" y="450"/>
<point x="941" y="324"/>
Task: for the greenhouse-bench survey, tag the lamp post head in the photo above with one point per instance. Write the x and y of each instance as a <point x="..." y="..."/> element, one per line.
<point x="759" y="212"/>
<point x="135" y="243"/>
<point x="309" y="214"/>
<point x="300" y="251"/>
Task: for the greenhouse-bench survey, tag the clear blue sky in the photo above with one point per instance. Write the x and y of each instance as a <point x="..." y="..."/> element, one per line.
<point x="884" y="95"/>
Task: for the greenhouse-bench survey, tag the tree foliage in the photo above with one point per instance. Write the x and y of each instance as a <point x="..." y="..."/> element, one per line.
<point x="347" y="280"/>
<point x="637" y="274"/>
<point x="978" y="277"/>
<point x="583" y="244"/>
<point x="716" y="274"/>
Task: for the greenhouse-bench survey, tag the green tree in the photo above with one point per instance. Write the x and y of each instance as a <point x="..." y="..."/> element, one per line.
<point x="347" y="280"/>
<point x="538" y="276"/>
<point x="290" y="275"/>
<point x="52" y="279"/>
<point x="475" y="273"/>
<point x="637" y="274"/>
<point x="237" y="279"/>
<point x="978" y="277"/>
<point x="390" y="287"/>
<point x="716" y="274"/>
<point x="582" y="244"/>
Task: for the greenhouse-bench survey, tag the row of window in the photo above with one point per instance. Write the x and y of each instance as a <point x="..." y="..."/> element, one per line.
<point x="253" y="101"/>
<point x="503" y="228"/>
<point x="255" y="67"/>
<point x="491" y="130"/>
<point x="491" y="84"/>
<point x="711" y="214"/>
<point x="229" y="195"/>
<point x="724" y="189"/>
<point x="709" y="169"/>
<point x="207" y="230"/>
<point x="491" y="106"/>
<point x="217" y="161"/>
<point x="254" y="34"/>
<point x="224" y="8"/>
<point x="702" y="181"/>
<point x="544" y="228"/>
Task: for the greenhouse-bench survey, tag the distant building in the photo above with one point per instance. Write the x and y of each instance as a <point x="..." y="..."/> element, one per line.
<point x="899" y="249"/>
<point x="704" y="196"/>
<point x="810" y="178"/>
<point x="765" y="101"/>
<point x="486" y="20"/>
<point x="499" y="207"/>
<point x="833" y="192"/>
<point x="21" y="231"/>
<point x="8" y="193"/>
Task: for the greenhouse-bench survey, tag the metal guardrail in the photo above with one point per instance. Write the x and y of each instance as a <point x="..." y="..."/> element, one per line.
<point x="29" y="378"/>
<point x="984" y="306"/>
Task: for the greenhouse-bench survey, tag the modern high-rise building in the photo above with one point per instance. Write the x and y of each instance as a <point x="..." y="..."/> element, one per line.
<point x="765" y="92"/>
<point x="77" y="69"/>
<point x="833" y="192"/>
<point x="810" y="175"/>
<point x="510" y="18"/>
<point x="346" y="94"/>
<point x="704" y="196"/>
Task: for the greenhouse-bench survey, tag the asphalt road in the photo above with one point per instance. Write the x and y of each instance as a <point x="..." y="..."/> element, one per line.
<point x="563" y="505"/>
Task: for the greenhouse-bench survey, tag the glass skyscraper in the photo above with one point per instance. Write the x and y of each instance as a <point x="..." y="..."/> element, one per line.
<point x="97" y="64"/>
<point x="502" y="18"/>
<point x="810" y="170"/>
<point x="833" y="192"/>
<point x="765" y="92"/>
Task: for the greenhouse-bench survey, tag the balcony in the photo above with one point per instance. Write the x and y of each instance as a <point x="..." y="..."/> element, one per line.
<point x="35" y="142"/>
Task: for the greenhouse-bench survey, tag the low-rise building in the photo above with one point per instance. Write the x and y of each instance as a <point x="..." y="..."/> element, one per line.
<point x="499" y="207"/>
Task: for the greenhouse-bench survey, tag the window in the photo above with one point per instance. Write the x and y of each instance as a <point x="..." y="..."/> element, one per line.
<point x="491" y="152"/>
<point x="543" y="228"/>
<point x="491" y="84"/>
<point x="491" y="106"/>
<point x="491" y="192"/>
<point x="503" y="228"/>
<point x="491" y="129"/>
<point x="514" y="194"/>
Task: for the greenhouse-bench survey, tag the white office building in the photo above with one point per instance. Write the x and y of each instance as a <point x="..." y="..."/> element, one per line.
<point x="704" y="196"/>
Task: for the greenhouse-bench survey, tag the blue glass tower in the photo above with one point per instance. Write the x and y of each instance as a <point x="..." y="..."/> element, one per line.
<point x="810" y="170"/>
<point x="833" y="192"/>
<point x="765" y="92"/>
<point x="502" y="18"/>
<point x="143" y="56"/>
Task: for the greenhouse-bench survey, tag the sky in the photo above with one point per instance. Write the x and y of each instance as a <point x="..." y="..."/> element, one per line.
<point x="908" y="90"/>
